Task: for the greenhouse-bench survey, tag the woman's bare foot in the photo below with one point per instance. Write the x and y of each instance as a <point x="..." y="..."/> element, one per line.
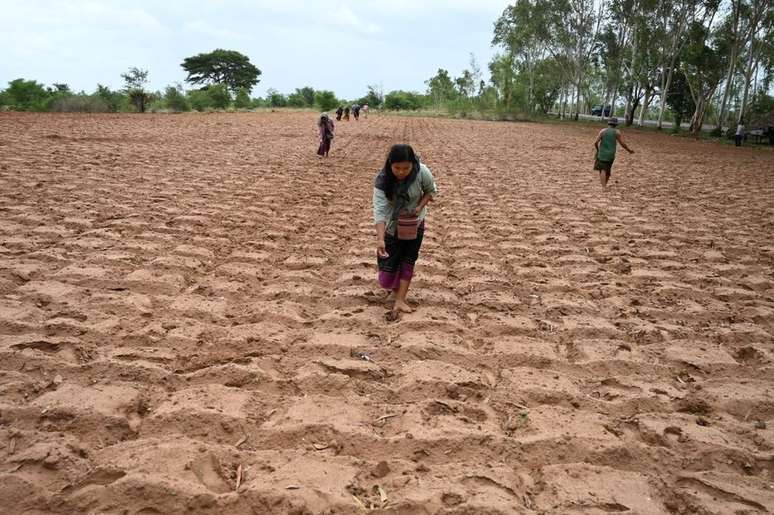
<point x="402" y="307"/>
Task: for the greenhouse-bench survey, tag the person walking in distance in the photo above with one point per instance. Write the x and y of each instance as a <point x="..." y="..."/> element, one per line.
<point x="402" y="189"/>
<point x="739" y="136"/>
<point x="325" y="129"/>
<point x="605" y="146"/>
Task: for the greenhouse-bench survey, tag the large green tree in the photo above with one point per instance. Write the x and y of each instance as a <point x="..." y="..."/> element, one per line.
<point x="441" y="87"/>
<point x="704" y="66"/>
<point x="674" y="19"/>
<point x="227" y="67"/>
<point x="546" y="82"/>
<point x="678" y="98"/>
<point x="466" y="84"/>
<point x="760" y="20"/>
<point x="522" y="31"/>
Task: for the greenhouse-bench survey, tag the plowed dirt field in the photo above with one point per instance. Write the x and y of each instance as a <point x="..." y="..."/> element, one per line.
<point x="185" y="301"/>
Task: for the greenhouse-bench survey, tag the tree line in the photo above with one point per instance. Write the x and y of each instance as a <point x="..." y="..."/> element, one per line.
<point x="697" y="60"/>
<point x="700" y="61"/>
<point x="222" y="79"/>
<point x="686" y="60"/>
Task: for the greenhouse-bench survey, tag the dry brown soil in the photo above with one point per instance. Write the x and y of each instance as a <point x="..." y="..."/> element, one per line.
<point x="183" y="299"/>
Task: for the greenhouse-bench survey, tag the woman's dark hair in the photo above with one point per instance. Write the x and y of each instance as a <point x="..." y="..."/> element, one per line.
<point x="399" y="153"/>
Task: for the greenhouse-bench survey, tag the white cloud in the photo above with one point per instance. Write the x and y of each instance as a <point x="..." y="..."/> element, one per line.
<point x="99" y="13"/>
<point x="204" y="28"/>
<point x="428" y="8"/>
<point x="345" y="16"/>
<point x="341" y="45"/>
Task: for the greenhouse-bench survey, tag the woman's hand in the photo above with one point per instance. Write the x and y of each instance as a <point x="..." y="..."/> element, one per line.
<point x="381" y="251"/>
<point x="426" y="199"/>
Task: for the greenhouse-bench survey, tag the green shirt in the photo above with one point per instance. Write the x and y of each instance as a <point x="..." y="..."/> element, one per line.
<point x="383" y="208"/>
<point x="607" y="145"/>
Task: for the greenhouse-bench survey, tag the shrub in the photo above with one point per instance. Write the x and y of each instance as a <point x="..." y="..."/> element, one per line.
<point x="80" y="104"/>
<point x="175" y="100"/>
<point x="275" y="99"/>
<point x="25" y="95"/>
<point x="302" y="97"/>
<point x="220" y="98"/>
<point x="242" y="100"/>
<point x="461" y="107"/>
<point x="199" y="99"/>
<point x="403" y="100"/>
<point x="325" y="100"/>
<point x="114" y="100"/>
<point x="157" y="105"/>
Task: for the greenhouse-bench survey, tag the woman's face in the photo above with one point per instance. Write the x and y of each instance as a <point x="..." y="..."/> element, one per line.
<point x="402" y="169"/>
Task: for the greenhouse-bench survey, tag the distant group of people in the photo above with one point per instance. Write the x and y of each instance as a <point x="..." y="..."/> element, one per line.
<point x="354" y="109"/>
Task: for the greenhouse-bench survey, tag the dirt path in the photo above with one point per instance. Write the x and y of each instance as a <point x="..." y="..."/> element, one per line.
<point x="181" y="298"/>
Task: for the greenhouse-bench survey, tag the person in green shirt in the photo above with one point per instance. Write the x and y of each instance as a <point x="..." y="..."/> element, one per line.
<point x="605" y="150"/>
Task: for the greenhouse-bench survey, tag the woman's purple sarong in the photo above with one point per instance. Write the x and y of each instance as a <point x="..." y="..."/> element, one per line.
<point x="401" y="257"/>
<point x="391" y="280"/>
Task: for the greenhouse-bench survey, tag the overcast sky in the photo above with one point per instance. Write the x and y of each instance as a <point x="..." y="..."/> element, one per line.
<point x="327" y="44"/>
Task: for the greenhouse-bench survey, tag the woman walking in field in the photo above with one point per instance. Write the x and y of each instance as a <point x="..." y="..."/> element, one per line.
<point x="325" y="127"/>
<point x="402" y="189"/>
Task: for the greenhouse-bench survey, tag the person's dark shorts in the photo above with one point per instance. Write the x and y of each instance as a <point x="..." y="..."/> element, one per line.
<point x="603" y="166"/>
<point x="401" y="251"/>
